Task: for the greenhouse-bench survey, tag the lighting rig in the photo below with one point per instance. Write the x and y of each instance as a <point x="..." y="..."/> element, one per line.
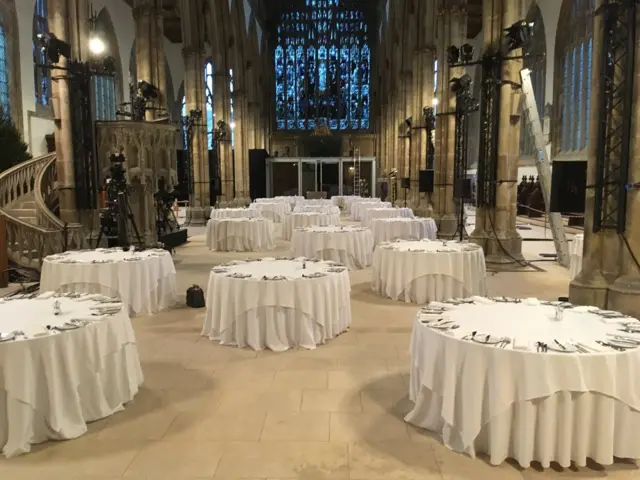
<point x="516" y="37"/>
<point x="143" y="96"/>
<point x="220" y="133"/>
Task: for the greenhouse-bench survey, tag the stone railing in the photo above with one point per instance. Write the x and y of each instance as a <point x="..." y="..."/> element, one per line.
<point x="29" y="244"/>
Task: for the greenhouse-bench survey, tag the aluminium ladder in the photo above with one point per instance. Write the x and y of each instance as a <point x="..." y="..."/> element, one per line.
<point x="356" y="171"/>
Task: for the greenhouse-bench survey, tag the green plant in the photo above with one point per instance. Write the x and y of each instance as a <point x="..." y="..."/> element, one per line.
<point x="13" y="150"/>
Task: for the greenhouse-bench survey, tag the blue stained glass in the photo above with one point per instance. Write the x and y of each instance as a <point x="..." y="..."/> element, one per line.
<point x="354" y="88"/>
<point x="580" y="93"/>
<point x="301" y="100"/>
<point x="183" y="113"/>
<point x="322" y="69"/>
<point x="588" y="90"/>
<point x="365" y="61"/>
<point x="280" y="101"/>
<point x="290" y="88"/>
<point x="41" y="76"/>
<point x="4" y="76"/>
<point x="344" y="87"/>
<point x="566" y="102"/>
<point x="208" y="84"/>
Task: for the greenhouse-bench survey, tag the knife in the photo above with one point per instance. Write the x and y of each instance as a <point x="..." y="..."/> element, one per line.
<point x="559" y="344"/>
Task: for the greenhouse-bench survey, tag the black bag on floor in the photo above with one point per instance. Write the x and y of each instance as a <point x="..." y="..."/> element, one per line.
<point x="195" y="297"/>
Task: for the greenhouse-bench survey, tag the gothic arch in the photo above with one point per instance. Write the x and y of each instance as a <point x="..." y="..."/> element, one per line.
<point x="169" y="90"/>
<point x="106" y="30"/>
<point x="9" y="23"/>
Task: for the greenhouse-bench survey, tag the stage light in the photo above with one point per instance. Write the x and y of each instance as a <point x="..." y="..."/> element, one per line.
<point x="461" y="84"/>
<point x="232" y="125"/>
<point x="53" y="47"/>
<point x="97" y="46"/>
<point x="518" y="35"/>
<point x="453" y="54"/>
<point x="466" y="53"/>
<point x="435" y="102"/>
<point x="147" y="90"/>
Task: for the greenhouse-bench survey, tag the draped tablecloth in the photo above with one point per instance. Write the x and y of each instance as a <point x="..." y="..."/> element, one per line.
<point x="516" y="402"/>
<point x="575" y="255"/>
<point x="349" y="245"/>
<point x="371" y="214"/>
<point x="277" y="303"/>
<point x="296" y="220"/>
<point x="234" y="213"/>
<point x="358" y="208"/>
<point x="145" y="281"/>
<point x="272" y="210"/>
<point x="424" y="270"/>
<point x="53" y="382"/>
<point x="290" y="200"/>
<point x="353" y="201"/>
<point x="240" y="234"/>
<point x="344" y="201"/>
<point x="390" y="229"/>
<point x="326" y="202"/>
<point x="330" y="209"/>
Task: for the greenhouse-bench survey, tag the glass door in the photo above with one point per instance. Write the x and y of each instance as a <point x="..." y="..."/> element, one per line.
<point x="309" y="176"/>
<point x="329" y="177"/>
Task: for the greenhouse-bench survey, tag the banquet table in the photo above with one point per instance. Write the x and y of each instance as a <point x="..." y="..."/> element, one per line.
<point x="513" y="380"/>
<point x="575" y="255"/>
<point x="240" y="234"/>
<point x="272" y="210"/>
<point x="317" y="209"/>
<point x="358" y="208"/>
<point x="296" y="220"/>
<point x="144" y="280"/>
<point x="290" y="200"/>
<point x="60" y="371"/>
<point x="234" y="213"/>
<point x="277" y="303"/>
<point x="315" y="202"/>
<point x="344" y="201"/>
<point x="420" y="271"/>
<point x="349" y="245"/>
<point x="371" y="214"/>
<point x="399" y="228"/>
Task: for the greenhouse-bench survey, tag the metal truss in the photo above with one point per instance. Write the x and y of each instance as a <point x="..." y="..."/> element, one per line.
<point x="615" y="112"/>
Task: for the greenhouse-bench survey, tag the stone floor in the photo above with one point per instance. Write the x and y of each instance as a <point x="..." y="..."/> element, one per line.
<point x="207" y="411"/>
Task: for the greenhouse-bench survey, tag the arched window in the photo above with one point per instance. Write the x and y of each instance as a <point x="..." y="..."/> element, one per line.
<point x="5" y="104"/>
<point x="183" y="113"/>
<point x="210" y="116"/>
<point x="322" y="68"/>
<point x="42" y="76"/>
<point x="572" y="89"/>
<point x="535" y="60"/>
<point x="233" y="121"/>
<point x="105" y="88"/>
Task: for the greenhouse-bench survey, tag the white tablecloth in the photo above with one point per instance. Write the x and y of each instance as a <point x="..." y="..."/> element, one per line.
<point x="317" y="209"/>
<point x="234" y="213"/>
<point x="358" y="207"/>
<point x="525" y="405"/>
<point x="262" y="312"/>
<point x="344" y="201"/>
<point x="296" y="220"/>
<point x="289" y="200"/>
<point x="349" y="245"/>
<point x="240" y="234"/>
<point x="371" y="214"/>
<point x="52" y="384"/>
<point x="391" y="229"/>
<point x="272" y="210"/>
<point x="575" y="255"/>
<point x="318" y="202"/>
<point x="424" y="270"/>
<point x="145" y="281"/>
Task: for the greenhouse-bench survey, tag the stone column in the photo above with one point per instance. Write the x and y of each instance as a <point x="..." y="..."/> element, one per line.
<point x="496" y="226"/>
<point x="59" y="26"/>
<point x="222" y="108"/>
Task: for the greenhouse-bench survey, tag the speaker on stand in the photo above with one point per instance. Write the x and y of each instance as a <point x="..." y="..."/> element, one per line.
<point x="405" y="183"/>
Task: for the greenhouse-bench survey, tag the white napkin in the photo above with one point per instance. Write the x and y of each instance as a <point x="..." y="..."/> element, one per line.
<point x="532" y="302"/>
<point x="522" y="344"/>
<point x="439" y="305"/>
<point x="45" y="295"/>
<point x="482" y="300"/>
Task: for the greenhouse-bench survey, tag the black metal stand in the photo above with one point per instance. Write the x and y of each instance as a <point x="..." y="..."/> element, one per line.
<point x="120" y="210"/>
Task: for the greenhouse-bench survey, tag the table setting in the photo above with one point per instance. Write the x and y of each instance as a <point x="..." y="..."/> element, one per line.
<point x="349" y="245"/>
<point x="400" y="228"/>
<point x="145" y="280"/>
<point x="371" y="214"/>
<point x="328" y="209"/>
<point x="419" y="271"/>
<point x="359" y="205"/>
<point x="305" y="219"/>
<point x="527" y="379"/>
<point x="66" y="359"/>
<point x="217" y="213"/>
<point x="277" y="303"/>
<point x="344" y="201"/>
<point x="273" y="210"/>
<point x="315" y="202"/>
<point x="290" y="200"/>
<point x="240" y="234"/>
<point x="575" y="255"/>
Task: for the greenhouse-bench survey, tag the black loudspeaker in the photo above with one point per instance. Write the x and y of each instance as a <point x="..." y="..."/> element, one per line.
<point x="568" y="187"/>
<point x="405" y="183"/>
<point x="426" y="181"/>
<point x="258" y="173"/>
<point x="462" y="188"/>
<point x="215" y="186"/>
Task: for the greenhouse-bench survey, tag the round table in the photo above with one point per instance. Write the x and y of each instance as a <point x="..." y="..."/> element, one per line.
<point x="296" y="220"/>
<point x="330" y="209"/>
<point x="290" y="200"/>
<point x="344" y="201"/>
<point x="371" y="214"/>
<point x="272" y="210"/>
<point x="234" y="213"/>
<point x="390" y="229"/>
<point x="55" y="380"/>
<point x="145" y="281"/>
<point x="349" y="245"/>
<point x="358" y="208"/>
<point x="240" y="235"/>
<point x="318" y="202"/>
<point x="277" y="303"/>
<point x="575" y="255"/>
<point x="548" y="392"/>
<point x="419" y="271"/>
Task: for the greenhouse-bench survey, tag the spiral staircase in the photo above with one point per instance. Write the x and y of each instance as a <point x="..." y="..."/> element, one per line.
<point x="28" y="200"/>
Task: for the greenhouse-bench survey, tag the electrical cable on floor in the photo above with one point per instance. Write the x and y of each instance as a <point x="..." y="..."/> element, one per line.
<point x="493" y="228"/>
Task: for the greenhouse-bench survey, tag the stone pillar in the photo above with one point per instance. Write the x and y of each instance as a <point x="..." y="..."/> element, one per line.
<point x="496" y="226"/>
<point x="222" y="108"/>
<point x="240" y="151"/>
<point x="59" y="26"/>
<point x="150" y="63"/>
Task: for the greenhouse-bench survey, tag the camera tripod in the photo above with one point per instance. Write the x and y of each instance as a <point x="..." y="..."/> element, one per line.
<point x="113" y="223"/>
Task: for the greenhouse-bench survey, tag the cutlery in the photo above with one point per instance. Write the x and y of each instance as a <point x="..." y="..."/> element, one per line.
<point x="559" y="344"/>
<point x="605" y="344"/>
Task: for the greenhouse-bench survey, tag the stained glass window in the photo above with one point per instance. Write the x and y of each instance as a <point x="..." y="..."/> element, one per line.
<point x="573" y="87"/>
<point x="4" y="75"/>
<point x="323" y="68"/>
<point x="183" y="114"/>
<point x="209" y="114"/>
<point x="233" y="121"/>
<point x="104" y="89"/>
<point x="42" y="76"/>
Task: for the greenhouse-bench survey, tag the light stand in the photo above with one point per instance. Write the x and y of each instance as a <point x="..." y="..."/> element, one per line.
<point x="220" y="133"/>
<point x="429" y="115"/>
<point x="191" y="121"/>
